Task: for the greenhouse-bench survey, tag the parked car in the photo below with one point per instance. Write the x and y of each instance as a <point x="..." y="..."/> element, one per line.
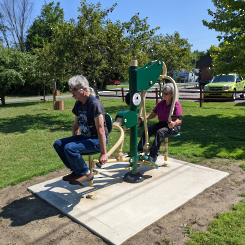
<point x="230" y="82"/>
<point x="112" y="82"/>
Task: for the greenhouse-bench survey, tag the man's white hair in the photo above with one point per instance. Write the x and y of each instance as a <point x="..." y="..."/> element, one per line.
<point x="82" y="82"/>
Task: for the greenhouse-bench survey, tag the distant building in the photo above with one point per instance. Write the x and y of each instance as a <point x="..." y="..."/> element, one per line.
<point x="187" y="76"/>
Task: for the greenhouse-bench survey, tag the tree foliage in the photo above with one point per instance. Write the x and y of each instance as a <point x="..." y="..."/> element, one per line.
<point x="96" y="47"/>
<point x="102" y="50"/>
<point x="229" y="20"/>
<point x="15" y="67"/>
<point x="43" y="27"/>
<point x="174" y="51"/>
<point x="103" y="43"/>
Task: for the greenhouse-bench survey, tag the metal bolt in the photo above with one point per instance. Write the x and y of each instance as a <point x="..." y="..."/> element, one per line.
<point x="125" y="120"/>
<point x="150" y="82"/>
<point x="131" y="160"/>
<point x="159" y="63"/>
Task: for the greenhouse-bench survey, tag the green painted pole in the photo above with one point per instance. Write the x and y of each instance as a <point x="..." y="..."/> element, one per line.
<point x="133" y="130"/>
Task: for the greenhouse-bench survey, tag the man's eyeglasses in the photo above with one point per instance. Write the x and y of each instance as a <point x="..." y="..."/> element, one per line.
<point x="74" y="89"/>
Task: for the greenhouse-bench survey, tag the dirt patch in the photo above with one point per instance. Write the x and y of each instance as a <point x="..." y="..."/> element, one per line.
<point x="26" y="219"/>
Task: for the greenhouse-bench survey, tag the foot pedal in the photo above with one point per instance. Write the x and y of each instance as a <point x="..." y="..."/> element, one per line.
<point x="95" y="171"/>
<point x="91" y="196"/>
<point x="147" y="158"/>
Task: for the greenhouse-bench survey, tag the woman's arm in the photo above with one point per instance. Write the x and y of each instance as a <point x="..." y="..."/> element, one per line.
<point x="175" y="123"/>
<point x="148" y="117"/>
<point x="151" y="116"/>
<point x="178" y="112"/>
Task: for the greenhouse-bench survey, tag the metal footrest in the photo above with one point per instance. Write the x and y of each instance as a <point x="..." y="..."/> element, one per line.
<point x="147" y="161"/>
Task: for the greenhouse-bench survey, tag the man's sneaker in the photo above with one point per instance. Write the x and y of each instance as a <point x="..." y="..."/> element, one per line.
<point x="79" y="179"/>
<point x="69" y="176"/>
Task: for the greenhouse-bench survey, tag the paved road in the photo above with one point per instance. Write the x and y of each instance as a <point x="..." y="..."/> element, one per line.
<point x="197" y="96"/>
<point x="182" y="95"/>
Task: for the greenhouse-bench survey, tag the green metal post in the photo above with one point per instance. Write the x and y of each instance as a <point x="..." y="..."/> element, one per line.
<point x="133" y="130"/>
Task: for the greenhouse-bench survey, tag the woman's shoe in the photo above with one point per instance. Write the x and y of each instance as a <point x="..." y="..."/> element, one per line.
<point x="153" y="158"/>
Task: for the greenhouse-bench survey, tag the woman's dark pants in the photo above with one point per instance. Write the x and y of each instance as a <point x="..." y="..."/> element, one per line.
<point x="161" y="131"/>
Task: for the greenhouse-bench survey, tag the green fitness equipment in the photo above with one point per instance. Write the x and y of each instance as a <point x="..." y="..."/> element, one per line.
<point x="140" y="80"/>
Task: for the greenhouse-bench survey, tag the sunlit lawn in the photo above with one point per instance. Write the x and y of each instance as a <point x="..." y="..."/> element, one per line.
<point x="28" y="130"/>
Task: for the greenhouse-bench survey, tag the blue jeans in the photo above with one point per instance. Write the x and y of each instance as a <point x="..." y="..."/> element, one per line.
<point x="70" y="150"/>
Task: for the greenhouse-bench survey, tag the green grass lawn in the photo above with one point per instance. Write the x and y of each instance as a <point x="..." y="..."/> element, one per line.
<point x="29" y="129"/>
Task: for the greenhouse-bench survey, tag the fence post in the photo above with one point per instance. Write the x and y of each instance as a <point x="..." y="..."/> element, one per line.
<point x="156" y="95"/>
<point x="200" y="95"/>
<point x="122" y="94"/>
<point x="54" y="95"/>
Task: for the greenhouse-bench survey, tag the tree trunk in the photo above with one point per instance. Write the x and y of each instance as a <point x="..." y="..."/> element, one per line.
<point x="3" y="98"/>
<point x="44" y="99"/>
<point x="96" y="89"/>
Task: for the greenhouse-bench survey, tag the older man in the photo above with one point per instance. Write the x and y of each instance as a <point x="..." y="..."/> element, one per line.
<point x="90" y="119"/>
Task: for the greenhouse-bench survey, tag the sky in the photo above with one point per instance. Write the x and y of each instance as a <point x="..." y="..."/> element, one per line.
<point x="184" y="17"/>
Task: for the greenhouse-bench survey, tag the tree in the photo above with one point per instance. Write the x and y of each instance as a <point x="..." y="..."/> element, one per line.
<point x="94" y="46"/>
<point x="39" y="37"/>
<point x="15" y="67"/>
<point x="98" y="48"/>
<point x="197" y="54"/>
<point x="229" y="20"/>
<point x="46" y="66"/>
<point x="140" y="37"/>
<point x="42" y="30"/>
<point x="16" y="15"/>
<point x="174" y="51"/>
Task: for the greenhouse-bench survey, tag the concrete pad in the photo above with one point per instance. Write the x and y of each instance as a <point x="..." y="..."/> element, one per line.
<point x="120" y="209"/>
